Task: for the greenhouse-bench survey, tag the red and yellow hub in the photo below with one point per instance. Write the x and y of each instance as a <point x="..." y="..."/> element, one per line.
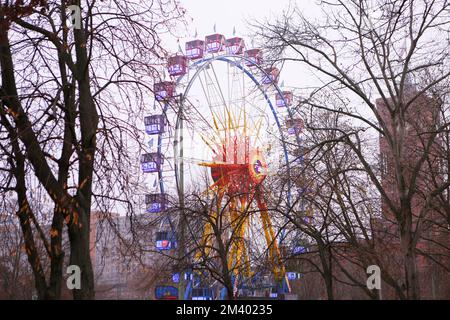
<point x="239" y="177"/>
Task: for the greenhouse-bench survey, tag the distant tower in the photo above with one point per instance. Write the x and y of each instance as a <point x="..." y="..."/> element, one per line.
<point x="421" y="118"/>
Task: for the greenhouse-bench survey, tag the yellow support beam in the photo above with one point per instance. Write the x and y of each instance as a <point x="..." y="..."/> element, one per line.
<point x="272" y="245"/>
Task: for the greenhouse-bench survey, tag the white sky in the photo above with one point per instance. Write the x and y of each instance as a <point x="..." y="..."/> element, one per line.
<point x="234" y="13"/>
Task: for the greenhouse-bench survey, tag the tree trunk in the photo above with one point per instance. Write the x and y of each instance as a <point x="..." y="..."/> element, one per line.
<point x="79" y="231"/>
<point x="326" y="260"/>
<point x="408" y="250"/>
<point x="31" y="250"/>
<point x="410" y="263"/>
<point x="57" y="261"/>
<point x="229" y="287"/>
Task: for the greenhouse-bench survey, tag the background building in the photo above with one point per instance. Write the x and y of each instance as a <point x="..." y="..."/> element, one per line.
<point x="422" y="119"/>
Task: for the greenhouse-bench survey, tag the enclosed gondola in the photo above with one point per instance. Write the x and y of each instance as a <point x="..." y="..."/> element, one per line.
<point x="235" y="45"/>
<point x="295" y="126"/>
<point x="177" y="65"/>
<point x="195" y="49"/>
<point x="203" y="293"/>
<point x="166" y="293"/>
<point x="166" y="240"/>
<point x="300" y="247"/>
<point x="151" y="162"/>
<point x="285" y="99"/>
<point x="164" y="90"/>
<point x="254" y="57"/>
<point x="293" y="276"/>
<point x="215" y="43"/>
<point x="154" y="124"/>
<point x="270" y="76"/>
<point x="156" y="202"/>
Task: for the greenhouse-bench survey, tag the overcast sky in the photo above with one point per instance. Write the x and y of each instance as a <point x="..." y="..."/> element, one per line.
<point x="203" y="15"/>
<point x="234" y="13"/>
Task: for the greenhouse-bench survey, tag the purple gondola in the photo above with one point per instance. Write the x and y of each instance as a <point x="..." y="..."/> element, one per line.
<point x="292" y="276"/>
<point x="166" y="240"/>
<point x="203" y="293"/>
<point x="271" y="76"/>
<point x="235" y="45"/>
<point x="254" y="57"/>
<point x="295" y="126"/>
<point x="156" y="202"/>
<point x="215" y="43"/>
<point x="151" y="162"/>
<point x="177" y="65"/>
<point x="299" y="248"/>
<point x="284" y="100"/>
<point x="166" y="293"/>
<point x="164" y="90"/>
<point x="195" y="49"/>
<point x="154" y="124"/>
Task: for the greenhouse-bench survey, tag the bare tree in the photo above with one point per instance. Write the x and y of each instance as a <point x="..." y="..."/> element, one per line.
<point x="361" y="50"/>
<point x="69" y="98"/>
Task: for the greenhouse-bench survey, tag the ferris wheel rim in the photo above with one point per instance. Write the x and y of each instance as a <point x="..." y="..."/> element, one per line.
<point x="253" y="73"/>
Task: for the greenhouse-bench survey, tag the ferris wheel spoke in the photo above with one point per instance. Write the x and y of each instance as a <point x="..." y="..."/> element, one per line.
<point x="206" y="93"/>
<point x="220" y="101"/>
<point x="219" y="87"/>
<point x="272" y="244"/>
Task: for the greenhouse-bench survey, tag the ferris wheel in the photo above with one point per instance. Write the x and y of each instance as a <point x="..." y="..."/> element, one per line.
<point x="223" y="130"/>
